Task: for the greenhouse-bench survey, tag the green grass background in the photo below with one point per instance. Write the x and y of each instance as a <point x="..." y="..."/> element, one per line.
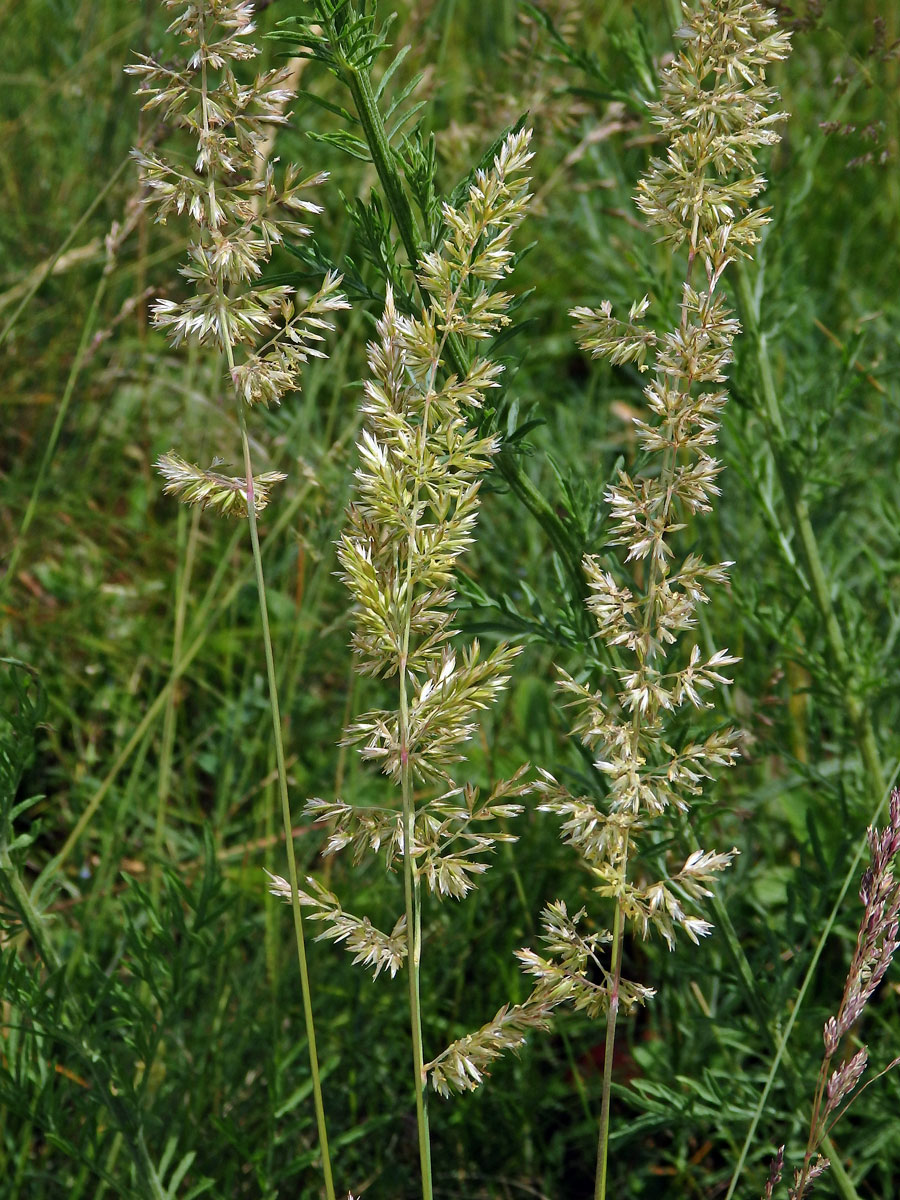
<point x="180" y="964"/>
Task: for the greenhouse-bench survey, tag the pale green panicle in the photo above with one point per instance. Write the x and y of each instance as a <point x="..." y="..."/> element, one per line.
<point x="418" y="492"/>
<point x="241" y="208"/>
<point x="418" y="484"/>
<point x="714" y="111"/>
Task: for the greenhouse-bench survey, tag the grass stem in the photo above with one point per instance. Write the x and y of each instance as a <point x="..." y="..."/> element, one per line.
<point x="164" y="779"/>
<point x="285" y="806"/>
<point x="612" y="1014"/>
<point x="413" y="899"/>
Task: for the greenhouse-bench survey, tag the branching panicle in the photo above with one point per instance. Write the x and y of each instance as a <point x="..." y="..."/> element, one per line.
<point x="714" y="113"/>
<point x="418" y="492"/>
<point x="367" y="944"/>
<point x="418" y="481"/>
<point x="240" y="210"/>
<point x="225" y="494"/>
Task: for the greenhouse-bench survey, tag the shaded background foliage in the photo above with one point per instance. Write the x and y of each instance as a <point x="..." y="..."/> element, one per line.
<point x="174" y="992"/>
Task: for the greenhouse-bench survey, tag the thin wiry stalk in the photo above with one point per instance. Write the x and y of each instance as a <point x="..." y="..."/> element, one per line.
<point x="411" y="886"/>
<point x="54" y="259"/>
<point x="164" y="779"/>
<point x="612" y="1014"/>
<point x="857" y="710"/>
<point x="418" y="483"/>
<point x="299" y="937"/>
<point x="87" y="330"/>
<point x="277" y="732"/>
<point x="650" y="616"/>
<point x="876" y="944"/>
<point x="782" y="1053"/>
<point x="411" y="882"/>
<point x="413" y="903"/>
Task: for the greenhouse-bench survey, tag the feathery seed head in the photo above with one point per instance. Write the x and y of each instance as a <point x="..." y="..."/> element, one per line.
<point x="420" y="466"/>
<point x="714" y="112"/>
<point x="240" y="210"/>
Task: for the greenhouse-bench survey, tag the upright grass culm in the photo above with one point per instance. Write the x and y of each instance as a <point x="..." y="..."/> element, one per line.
<point x="714" y="111"/>
<point x="264" y="335"/>
<point x="417" y="502"/>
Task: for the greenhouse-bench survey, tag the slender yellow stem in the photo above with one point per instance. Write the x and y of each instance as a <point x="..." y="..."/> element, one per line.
<point x="815" y="1127"/>
<point x="413" y="899"/>
<point x="411" y="886"/>
<point x="645" y="652"/>
<point x="170" y="716"/>
<point x="300" y="939"/>
<point x="612" y="1014"/>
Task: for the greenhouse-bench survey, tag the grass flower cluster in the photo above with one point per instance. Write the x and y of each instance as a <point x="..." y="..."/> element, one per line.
<point x="715" y="112"/>
<point x="241" y="212"/>
<point x="418" y="483"/>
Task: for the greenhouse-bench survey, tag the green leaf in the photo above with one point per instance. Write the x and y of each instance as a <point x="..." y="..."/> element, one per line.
<point x="337" y="109"/>
<point x="351" y="145"/>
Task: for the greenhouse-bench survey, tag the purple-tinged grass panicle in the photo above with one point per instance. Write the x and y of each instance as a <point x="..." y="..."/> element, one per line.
<point x="776" y="1169"/>
<point x="876" y="944"/>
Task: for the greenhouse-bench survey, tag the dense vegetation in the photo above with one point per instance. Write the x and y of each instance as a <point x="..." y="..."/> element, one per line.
<point x="153" y="1032"/>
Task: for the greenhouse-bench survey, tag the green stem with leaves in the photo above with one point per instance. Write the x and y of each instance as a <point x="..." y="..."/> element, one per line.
<point x="359" y="84"/>
<point x="93" y="1060"/>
